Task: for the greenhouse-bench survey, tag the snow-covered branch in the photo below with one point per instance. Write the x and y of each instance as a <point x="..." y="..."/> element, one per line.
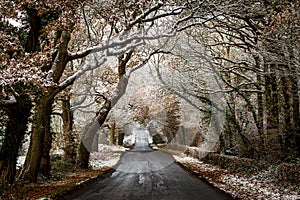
<point x="129" y="72"/>
<point x="123" y="40"/>
<point x="146" y="13"/>
<point x="85" y="68"/>
<point x="82" y="106"/>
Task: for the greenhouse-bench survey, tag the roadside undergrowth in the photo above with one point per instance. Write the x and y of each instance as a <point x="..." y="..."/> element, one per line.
<point x="57" y="186"/>
<point x="259" y="185"/>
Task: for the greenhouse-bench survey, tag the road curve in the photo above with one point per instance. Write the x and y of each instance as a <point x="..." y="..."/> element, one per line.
<point x="143" y="174"/>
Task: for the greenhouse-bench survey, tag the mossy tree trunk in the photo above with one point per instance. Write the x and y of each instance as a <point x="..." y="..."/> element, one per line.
<point x="16" y="127"/>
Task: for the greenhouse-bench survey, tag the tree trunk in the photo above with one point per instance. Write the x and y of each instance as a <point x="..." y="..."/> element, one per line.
<point x="92" y="128"/>
<point x="86" y="143"/>
<point x="273" y="139"/>
<point x="58" y="69"/>
<point x="112" y="134"/>
<point x="83" y="157"/>
<point x="230" y="130"/>
<point x="45" y="166"/>
<point x="286" y="102"/>
<point x="172" y="117"/>
<point x="18" y="115"/>
<point x="260" y="118"/>
<point x="197" y="139"/>
<point x="296" y="101"/>
<point x="95" y="143"/>
<point x="294" y="133"/>
<point x="35" y="27"/>
<point x="260" y="108"/>
<point x="35" y="152"/>
<point x="120" y="137"/>
<point x="67" y="117"/>
<point x="271" y="99"/>
<point x="293" y="78"/>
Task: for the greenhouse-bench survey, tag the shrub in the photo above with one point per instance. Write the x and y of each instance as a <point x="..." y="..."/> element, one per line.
<point x="288" y="172"/>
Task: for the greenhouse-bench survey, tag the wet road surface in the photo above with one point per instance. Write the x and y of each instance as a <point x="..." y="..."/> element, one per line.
<point x="143" y="174"/>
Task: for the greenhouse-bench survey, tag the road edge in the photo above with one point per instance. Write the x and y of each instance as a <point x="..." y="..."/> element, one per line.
<point x="199" y="176"/>
<point x="69" y="193"/>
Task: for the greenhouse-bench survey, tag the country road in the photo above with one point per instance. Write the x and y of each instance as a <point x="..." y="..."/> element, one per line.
<point x="143" y="174"/>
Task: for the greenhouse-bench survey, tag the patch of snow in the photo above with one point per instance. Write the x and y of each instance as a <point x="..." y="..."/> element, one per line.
<point x="14" y="22"/>
<point x="259" y="186"/>
<point x="129" y="140"/>
<point x="110" y="148"/>
<point x="107" y="155"/>
<point x="98" y="164"/>
<point x="150" y="139"/>
<point x="141" y="179"/>
<point x="20" y="161"/>
<point x="186" y="159"/>
<point x="265" y="174"/>
<point x="57" y="152"/>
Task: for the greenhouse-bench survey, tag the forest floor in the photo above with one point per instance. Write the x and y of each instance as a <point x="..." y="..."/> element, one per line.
<point x="261" y="185"/>
<point x="57" y="186"/>
<point x="241" y="186"/>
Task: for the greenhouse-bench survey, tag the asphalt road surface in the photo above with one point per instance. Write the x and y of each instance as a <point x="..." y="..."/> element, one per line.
<point x="143" y="174"/>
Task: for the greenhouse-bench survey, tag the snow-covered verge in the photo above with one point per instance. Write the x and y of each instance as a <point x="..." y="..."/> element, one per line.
<point x="261" y="185"/>
<point x="106" y="156"/>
